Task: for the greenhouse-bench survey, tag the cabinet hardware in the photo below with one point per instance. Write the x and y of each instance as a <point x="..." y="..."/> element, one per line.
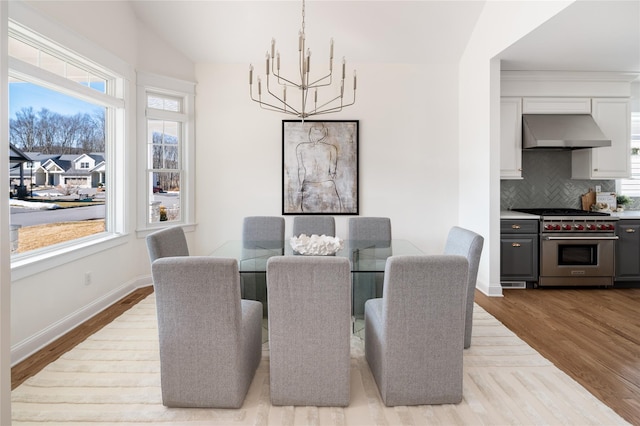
<point x="515" y="244"/>
<point x="515" y="226"/>
<point x="630" y="230"/>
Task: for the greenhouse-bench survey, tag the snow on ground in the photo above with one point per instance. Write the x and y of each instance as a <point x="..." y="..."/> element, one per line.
<point x="32" y="205"/>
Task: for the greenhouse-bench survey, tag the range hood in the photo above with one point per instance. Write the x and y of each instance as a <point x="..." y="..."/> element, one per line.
<point x="561" y="131"/>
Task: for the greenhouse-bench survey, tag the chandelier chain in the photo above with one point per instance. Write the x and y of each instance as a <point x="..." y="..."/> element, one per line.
<point x="302" y="16"/>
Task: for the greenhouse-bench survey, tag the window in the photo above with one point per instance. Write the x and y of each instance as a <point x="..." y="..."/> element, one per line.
<point x="35" y="50"/>
<point x="631" y="187"/>
<point x="66" y="116"/>
<point x="167" y="123"/>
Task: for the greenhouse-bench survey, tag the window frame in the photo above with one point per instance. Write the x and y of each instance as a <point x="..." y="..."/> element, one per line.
<point x="149" y="83"/>
<point x="634" y="179"/>
<point x="116" y="102"/>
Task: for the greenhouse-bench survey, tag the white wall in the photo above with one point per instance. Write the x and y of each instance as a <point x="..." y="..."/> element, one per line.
<point x="500" y="25"/>
<point x="49" y="303"/>
<point x="408" y="148"/>
<point x="429" y="155"/>
<point x="113" y="26"/>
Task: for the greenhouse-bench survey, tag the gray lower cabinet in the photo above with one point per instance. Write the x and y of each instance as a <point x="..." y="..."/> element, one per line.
<point x="519" y="250"/>
<point x="628" y="250"/>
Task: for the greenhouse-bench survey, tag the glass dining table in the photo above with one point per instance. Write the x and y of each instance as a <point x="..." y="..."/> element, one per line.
<point x="364" y="256"/>
<point x="367" y="259"/>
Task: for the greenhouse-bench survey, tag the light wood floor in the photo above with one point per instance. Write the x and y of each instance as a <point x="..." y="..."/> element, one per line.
<point x="592" y="335"/>
<point x="36" y="362"/>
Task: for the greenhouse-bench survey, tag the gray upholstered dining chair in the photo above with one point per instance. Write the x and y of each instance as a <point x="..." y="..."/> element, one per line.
<point x="414" y="333"/>
<point x="263" y="232"/>
<point x="467" y="243"/>
<point x="365" y="231"/>
<point x="319" y="225"/>
<point x="260" y="232"/>
<point x="309" y="330"/>
<point x="370" y="229"/>
<point x="210" y="339"/>
<point x="167" y="242"/>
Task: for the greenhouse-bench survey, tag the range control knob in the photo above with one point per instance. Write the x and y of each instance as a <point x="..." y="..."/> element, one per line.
<point x="579" y="227"/>
<point x="566" y="227"/>
<point x="602" y="227"/>
<point x="610" y="227"/>
<point x="591" y="227"/>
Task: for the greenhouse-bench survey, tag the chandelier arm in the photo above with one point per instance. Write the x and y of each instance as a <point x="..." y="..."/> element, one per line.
<point x="275" y="108"/>
<point x="327" y="103"/>
<point x="281" y="100"/>
<point x="336" y="108"/>
<point x="289" y="82"/>
<point x="317" y="83"/>
<point x="272" y="107"/>
<point x="291" y="110"/>
<point x="279" y="77"/>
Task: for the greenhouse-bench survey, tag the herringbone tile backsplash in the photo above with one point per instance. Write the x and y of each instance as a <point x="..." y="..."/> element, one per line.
<point x="547" y="183"/>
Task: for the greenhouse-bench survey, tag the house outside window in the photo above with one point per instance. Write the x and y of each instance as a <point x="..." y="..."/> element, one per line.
<point x="166" y="144"/>
<point x="72" y="141"/>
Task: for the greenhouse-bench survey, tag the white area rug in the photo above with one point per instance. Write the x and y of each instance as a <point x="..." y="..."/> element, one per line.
<point x="114" y="378"/>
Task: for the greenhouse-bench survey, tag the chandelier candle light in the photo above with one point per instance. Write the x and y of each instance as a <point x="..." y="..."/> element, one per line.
<point x="280" y="102"/>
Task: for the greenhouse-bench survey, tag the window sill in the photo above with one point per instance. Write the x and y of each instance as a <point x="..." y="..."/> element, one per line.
<point x="28" y="264"/>
<point x="143" y="232"/>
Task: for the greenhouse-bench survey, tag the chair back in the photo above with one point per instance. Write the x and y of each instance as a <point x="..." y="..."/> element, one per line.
<point x="413" y="335"/>
<point x="167" y="242"/>
<point x="366" y="230"/>
<point x="464" y="242"/>
<point x="309" y="330"/>
<point x="423" y="293"/>
<point x="205" y="358"/>
<point x="263" y="232"/>
<point x="319" y="225"/>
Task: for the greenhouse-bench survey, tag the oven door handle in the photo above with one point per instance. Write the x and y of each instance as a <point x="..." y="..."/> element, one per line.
<point x="580" y="238"/>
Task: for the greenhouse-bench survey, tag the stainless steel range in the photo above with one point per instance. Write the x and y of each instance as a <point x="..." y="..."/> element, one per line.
<point x="576" y="247"/>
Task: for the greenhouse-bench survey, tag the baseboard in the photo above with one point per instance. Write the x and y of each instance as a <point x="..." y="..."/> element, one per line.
<point x="27" y="347"/>
<point x="493" y="290"/>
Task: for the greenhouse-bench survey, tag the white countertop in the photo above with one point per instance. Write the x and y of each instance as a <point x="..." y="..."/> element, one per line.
<point x="627" y="214"/>
<point x="509" y="214"/>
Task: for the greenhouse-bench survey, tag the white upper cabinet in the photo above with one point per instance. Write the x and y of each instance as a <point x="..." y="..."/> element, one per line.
<point x="511" y="138"/>
<point x="556" y="106"/>
<point x="613" y="116"/>
<point x="603" y="95"/>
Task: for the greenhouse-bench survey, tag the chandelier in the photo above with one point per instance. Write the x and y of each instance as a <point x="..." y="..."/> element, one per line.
<point x="307" y="103"/>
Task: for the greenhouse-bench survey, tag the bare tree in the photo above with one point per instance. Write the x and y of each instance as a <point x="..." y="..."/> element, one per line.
<point x="54" y="133"/>
<point x="23" y="129"/>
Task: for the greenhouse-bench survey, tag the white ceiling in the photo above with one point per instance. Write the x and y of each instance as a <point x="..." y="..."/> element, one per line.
<point x="589" y="35"/>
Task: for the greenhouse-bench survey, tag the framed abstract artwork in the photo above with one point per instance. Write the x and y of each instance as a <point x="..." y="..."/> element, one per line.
<point x="320" y="167"/>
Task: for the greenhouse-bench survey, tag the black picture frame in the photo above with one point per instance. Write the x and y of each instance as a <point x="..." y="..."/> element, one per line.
<point x="320" y="167"/>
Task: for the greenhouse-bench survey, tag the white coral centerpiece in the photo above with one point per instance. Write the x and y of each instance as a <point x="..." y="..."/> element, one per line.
<point x="322" y="245"/>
